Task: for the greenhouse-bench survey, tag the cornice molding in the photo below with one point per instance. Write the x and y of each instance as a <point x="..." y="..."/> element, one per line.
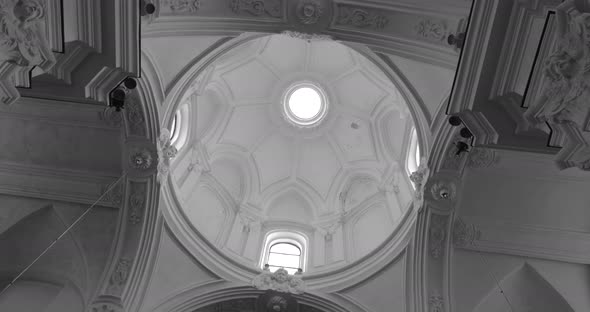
<point x="472" y="56"/>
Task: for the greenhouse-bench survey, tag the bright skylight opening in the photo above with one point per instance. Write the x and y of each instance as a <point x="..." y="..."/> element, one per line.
<point x="305" y="104"/>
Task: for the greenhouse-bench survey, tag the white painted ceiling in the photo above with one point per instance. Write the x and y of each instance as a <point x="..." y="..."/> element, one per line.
<point x="277" y="170"/>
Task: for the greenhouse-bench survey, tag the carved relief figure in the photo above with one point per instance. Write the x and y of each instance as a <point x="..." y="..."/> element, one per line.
<point x="20" y="33"/>
<point x="568" y="74"/>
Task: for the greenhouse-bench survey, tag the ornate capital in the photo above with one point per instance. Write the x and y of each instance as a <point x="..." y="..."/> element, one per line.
<point x="279" y="281"/>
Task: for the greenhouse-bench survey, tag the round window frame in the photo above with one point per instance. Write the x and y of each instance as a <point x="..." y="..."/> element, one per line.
<point x="305" y="122"/>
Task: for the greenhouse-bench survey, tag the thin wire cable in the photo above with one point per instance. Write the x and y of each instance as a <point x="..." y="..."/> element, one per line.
<point x="495" y="280"/>
<point x="61" y="235"/>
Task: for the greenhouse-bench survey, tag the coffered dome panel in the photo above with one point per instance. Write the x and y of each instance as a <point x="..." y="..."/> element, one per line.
<point x="330" y="58"/>
<point x="242" y="88"/>
<point x="320" y="166"/>
<point x="274" y="160"/>
<point x="349" y="96"/>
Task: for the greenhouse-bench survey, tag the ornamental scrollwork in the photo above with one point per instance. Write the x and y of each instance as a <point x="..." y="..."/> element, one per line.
<point x="188" y="6"/>
<point x="361" y="18"/>
<point x="437" y="235"/>
<point x="271" y="8"/>
<point x="431" y="29"/>
<point x="279" y="281"/>
<point x="309" y="11"/>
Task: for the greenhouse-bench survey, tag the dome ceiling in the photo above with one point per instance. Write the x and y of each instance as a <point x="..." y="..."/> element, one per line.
<point x="253" y="161"/>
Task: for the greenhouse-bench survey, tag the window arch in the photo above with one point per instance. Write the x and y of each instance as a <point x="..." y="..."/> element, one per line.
<point x="413" y="157"/>
<point x="286" y="250"/>
<point x="179" y="127"/>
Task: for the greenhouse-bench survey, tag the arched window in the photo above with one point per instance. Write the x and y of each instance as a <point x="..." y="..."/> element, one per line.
<point x="413" y="157"/>
<point x="174" y="128"/>
<point x="284" y="255"/>
<point x="284" y="250"/>
<point x="179" y="127"/>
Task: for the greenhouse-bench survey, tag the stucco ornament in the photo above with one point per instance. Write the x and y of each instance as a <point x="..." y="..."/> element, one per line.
<point x="141" y="159"/>
<point x="419" y="178"/>
<point x="361" y="18"/>
<point x="279" y="281"/>
<point x="567" y="72"/>
<point x="443" y="190"/>
<point x="309" y="11"/>
<point x="166" y="151"/>
<point x="21" y="36"/>
<point x="189" y="6"/>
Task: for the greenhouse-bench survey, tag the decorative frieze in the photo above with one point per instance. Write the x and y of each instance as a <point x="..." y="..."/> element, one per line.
<point x="184" y="6"/>
<point x="436" y="30"/>
<point x="309" y="11"/>
<point x="437" y="235"/>
<point x="279" y="281"/>
<point x="361" y="18"/>
<point x="271" y="8"/>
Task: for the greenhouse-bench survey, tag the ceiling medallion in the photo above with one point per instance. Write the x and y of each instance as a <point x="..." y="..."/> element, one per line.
<point x="305" y="104"/>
